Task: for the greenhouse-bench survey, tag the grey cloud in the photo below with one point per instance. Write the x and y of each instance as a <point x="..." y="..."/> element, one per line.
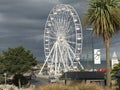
<point x="26" y="8"/>
<point x="37" y="38"/>
<point x="22" y="23"/>
<point x="70" y="1"/>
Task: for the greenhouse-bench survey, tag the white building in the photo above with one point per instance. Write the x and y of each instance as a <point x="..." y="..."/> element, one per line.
<point x="114" y="59"/>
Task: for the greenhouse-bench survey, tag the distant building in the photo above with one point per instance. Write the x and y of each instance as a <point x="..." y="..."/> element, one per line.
<point x="114" y="60"/>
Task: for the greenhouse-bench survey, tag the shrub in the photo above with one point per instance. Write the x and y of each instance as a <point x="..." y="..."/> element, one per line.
<point x="19" y="77"/>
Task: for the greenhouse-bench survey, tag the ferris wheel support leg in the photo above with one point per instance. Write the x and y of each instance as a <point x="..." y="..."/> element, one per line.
<point x="58" y="67"/>
<point x="61" y="56"/>
<point x="81" y="65"/>
<point x="46" y="60"/>
<point x="78" y="61"/>
<point x="56" y="71"/>
<point x="52" y="63"/>
<point x="70" y="58"/>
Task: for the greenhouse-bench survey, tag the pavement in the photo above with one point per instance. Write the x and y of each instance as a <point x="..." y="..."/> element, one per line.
<point x="39" y="80"/>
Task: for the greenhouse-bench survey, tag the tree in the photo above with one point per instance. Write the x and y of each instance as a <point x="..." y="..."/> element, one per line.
<point x="19" y="80"/>
<point x="17" y="60"/>
<point x="115" y="69"/>
<point x="104" y="17"/>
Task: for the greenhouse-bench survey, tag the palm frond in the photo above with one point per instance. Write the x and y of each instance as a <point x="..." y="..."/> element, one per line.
<point x="103" y="16"/>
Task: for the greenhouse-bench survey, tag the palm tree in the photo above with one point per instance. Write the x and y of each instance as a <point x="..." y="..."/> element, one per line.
<point x="104" y="17"/>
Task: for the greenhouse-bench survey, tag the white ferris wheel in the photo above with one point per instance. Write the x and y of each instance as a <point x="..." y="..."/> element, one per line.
<point x="62" y="40"/>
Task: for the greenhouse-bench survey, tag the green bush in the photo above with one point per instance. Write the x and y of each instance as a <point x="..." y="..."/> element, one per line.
<point x="2" y="79"/>
<point x="19" y="78"/>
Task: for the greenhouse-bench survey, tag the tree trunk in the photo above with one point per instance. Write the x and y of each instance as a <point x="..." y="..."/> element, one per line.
<point x="108" y="77"/>
<point x="19" y="83"/>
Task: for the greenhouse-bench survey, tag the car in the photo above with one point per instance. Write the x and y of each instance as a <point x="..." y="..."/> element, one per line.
<point x="52" y="79"/>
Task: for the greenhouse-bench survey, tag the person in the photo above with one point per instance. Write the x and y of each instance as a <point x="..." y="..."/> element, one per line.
<point x="33" y="76"/>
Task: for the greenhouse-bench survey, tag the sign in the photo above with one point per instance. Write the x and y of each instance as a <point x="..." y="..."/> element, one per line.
<point x="97" y="59"/>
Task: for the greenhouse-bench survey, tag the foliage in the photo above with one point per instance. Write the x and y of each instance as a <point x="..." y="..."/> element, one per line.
<point x="81" y="86"/>
<point x="16" y="60"/>
<point x="19" y="77"/>
<point x="115" y="69"/>
<point x="2" y="79"/>
<point x="104" y="17"/>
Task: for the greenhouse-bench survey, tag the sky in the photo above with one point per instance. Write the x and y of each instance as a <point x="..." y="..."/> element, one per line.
<point x="22" y="23"/>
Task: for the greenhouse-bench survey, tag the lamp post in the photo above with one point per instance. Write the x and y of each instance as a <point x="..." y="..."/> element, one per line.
<point x="90" y="29"/>
<point x="5" y="74"/>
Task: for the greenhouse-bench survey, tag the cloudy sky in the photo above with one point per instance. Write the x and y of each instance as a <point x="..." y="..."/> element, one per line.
<point x="22" y="23"/>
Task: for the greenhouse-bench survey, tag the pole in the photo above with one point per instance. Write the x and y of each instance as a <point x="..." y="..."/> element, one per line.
<point x="5" y="77"/>
<point x="93" y="53"/>
<point x="65" y="78"/>
<point x="87" y="62"/>
<point x="92" y="47"/>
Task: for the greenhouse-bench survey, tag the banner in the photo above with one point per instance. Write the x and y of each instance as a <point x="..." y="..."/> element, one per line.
<point x="97" y="56"/>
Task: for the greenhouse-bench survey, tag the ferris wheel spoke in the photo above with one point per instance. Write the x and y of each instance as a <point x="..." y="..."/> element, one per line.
<point x="64" y="23"/>
<point x="68" y="26"/>
<point x="52" y="35"/>
<point x="71" y="46"/>
<point x="71" y="36"/>
<point x="61" y="55"/>
<point x="52" y="29"/>
<point x="54" y="25"/>
<point x="54" y="38"/>
<point x="70" y="57"/>
<point x="71" y="42"/>
<point x="51" y="43"/>
<point x="71" y="50"/>
<point x="70" y="29"/>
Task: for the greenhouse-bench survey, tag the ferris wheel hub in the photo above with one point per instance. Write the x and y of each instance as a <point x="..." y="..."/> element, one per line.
<point x="60" y="38"/>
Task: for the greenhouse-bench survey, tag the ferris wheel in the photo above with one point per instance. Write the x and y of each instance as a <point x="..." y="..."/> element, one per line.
<point x="62" y="40"/>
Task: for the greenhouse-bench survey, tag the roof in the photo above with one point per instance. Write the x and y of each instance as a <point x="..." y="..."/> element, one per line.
<point x="82" y="76"/>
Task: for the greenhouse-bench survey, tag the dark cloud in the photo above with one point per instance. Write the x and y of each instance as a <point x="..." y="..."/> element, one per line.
<point x="71" y="1"/>
<point x="22" y="23"/>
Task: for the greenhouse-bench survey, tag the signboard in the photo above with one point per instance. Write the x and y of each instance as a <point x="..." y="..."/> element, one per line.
<point x="97" y="57"/>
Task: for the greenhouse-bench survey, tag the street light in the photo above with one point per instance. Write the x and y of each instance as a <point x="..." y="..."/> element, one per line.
<point x="90" y="29"/>
<point x="5" y="74"/>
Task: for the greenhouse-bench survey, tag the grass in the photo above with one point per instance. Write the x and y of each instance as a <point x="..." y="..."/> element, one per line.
<point x="53" y="87"/>
<point x="80" y="86"/>
<point x="58" y="86"/>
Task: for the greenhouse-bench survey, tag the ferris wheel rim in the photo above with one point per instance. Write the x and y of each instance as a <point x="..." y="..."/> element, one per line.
<point x="62" y="40"/>
<point x="78" y="27"/>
